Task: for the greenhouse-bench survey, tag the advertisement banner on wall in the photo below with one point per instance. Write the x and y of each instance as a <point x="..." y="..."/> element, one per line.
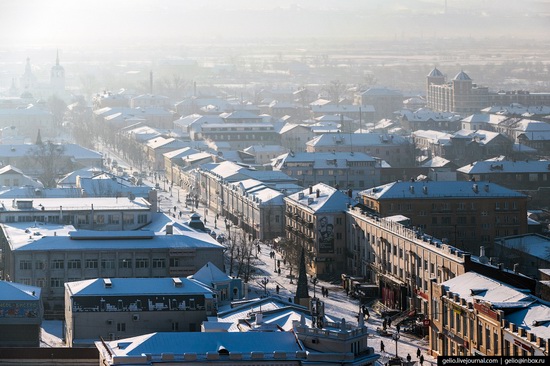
<point x="326" y="235"/>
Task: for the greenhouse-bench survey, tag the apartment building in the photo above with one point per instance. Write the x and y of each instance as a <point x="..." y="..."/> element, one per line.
<point x="394" y="149"/>
<point x="399" y="258"/>
<point x="462" y="95"/>
<point x="345" y="170"/>
<point x="316" y="220"/>
<point x="465" y="214"/>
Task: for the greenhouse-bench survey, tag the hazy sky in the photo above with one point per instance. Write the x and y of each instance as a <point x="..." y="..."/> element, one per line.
<point x="64" y="23"/>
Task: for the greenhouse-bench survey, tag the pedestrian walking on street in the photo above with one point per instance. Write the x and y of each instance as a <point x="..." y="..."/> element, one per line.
<point x="277" y="289"/>
<point x="398" y="328"/>
<point x="382" y="348"/>
<point x="421" y="359"/>
<point x="326" y="292"/>
<point x="409" y="358"/>
<point x="417" y="352"/>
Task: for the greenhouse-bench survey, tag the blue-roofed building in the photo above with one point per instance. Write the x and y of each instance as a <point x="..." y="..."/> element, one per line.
<point x="338" y="344"/>
<point x="114" y="308"/>
<point x="48" y="254"/>
<point x="467" y="214"/>
<point x="21" y="313"/>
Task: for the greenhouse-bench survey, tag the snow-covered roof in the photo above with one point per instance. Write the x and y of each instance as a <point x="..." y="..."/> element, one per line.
<point x="55" y="237"/>
<point x="471" y="286"/>
<point x="502" y="166"/>
<point x="210" y="274"/>
<point x="322" y="159"/>
<point x="202" y="342"/>
<point x="535" y="319"/>
<point x="135" y="286"/>
<point x="381" y="92"/>
<point x="425" y="114"/>
<point x="357" y="139"/>
<point x="435" y="162"/>
<point x="11" y="291"/>
<point x="443" y="189"/>
<point x="533" y="244"/>
<point x="330" y="199"/>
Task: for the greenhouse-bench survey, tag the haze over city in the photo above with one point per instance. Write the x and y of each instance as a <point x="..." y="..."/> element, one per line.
<point x="249" y="181"/>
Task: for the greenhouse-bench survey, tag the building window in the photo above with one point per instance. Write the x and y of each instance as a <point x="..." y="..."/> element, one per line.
<point x="339" y="236"/>
<point x="58" y="264"/>
<point x="159" y="263"/>
<point x="99" y="219"/>
<point x="41" y="282"/>
<point x="142" y="219"/>
<point x="91" y="263"/>
<point x="39" y="264"/>
<point x="25" y="264"/>
<point x="121" y="327"/>
<point x="174" y="262"/>
<point x="175" y="326"/>
<point x="128" y="219"/>
<point x="25" y="281"/>
<point x="56" y="282"/>
<point x="488" y="337"/>
<point x="142" y="263"/>
<point x="114" y="219"/>
<point x="73" y="264"/>
<point x="108" y="264"/>
<point x="125" y="263"/>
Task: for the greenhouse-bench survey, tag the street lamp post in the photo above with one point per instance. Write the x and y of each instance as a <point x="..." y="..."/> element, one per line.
<point x="396" y="338"/>
<point x="265" y="281"/>
<point x="314" y="280"/>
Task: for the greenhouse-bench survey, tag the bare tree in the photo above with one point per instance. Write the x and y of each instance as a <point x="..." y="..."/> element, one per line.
<point x="50" y="162"/>
<point x="335" y="91"/>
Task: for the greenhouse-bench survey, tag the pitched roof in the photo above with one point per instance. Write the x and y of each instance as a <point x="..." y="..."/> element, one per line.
<point x="209" y="274"/>
<point x="11" y="291"/>
<point x="443" y="189"/>
<point x="330" y="199"/>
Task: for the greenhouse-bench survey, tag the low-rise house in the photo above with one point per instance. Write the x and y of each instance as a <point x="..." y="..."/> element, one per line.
<point x="294" y="136"/>
<point x="226" y="288"/>
<point x="426" y="119"/>
<point x="263" y="154"/>
<point x="21" y="314"/>
<point x="114" y="308"/>
<point x="12" y="177"/>
<point x="158" y="146"/>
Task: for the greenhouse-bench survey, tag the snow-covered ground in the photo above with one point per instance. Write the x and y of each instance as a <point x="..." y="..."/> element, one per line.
<point x="337" y="304"/>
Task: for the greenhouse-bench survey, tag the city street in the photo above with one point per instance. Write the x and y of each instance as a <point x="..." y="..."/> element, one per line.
<point x="264" y="276"/>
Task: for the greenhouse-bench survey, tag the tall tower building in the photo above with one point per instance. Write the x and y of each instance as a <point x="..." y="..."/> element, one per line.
<point x="57" y="77"/>
<point x="28" y="80"/>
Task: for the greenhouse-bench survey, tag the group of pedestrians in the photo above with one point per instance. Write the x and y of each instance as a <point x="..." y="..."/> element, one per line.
<point x="419" y="354"/>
